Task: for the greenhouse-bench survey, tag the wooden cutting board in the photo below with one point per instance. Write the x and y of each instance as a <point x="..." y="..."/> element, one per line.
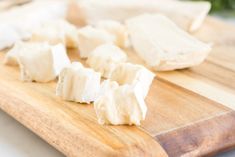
<point x="187" y="113"/>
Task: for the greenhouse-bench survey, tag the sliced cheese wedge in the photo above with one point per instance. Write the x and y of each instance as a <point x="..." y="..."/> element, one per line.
<point x="118" y="105"/>
<point x="89" y="38"/>
<point x="188" y="15"/>
<point x="55" y="32"/>
<point x="17" y="23"/>
<point x="105" y="58"/>
<point x="163" y="45"/>
<point x="127" y="73"/>
<point x="117" y="29"/>
<point x="38" y="62"/>
<point x="79" y="84"/>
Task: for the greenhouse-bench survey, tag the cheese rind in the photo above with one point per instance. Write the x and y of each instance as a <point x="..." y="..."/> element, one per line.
<point x="163" y="45"/>
<point x="105" y="58"/>
<point x="38" y="62"/>
<point x="127" y="73"/>
<point x="55" y="32"/>
<point x="117" y="29"/>
<point x="120" y="105"/>
<point x="78" y="84"/>
<point x="89" y="38"/>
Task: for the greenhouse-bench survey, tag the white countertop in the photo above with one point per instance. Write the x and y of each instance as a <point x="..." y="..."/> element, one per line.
<point x="18" y="141"/>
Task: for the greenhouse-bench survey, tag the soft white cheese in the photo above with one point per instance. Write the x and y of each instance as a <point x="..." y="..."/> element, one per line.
<point x="57" y="31"/>
<point x="78" y="84"/>
<point x="10" y="34"/>
<point x="105" y="58"/>
<point x="117" y="29"/>
<point x="119" y="105"/>
<point x="163" y="45"/>
<point x="38" y="62"/>
<point x="17" y="23"/>
<point x="11" y="57"/>
<point x="127" y="73"/>
<point x="89" y="38"/>
<point x="188" y="15"/>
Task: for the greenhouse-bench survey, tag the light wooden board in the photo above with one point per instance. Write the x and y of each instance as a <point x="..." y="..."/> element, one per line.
<point x="187" y="113"/>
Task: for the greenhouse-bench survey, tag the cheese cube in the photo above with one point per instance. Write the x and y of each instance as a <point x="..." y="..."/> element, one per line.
<point x="117" y="29"/>
<point x="120" y="105"/>
<point x="164" y="46"/>
<point x="127" y="73"/>
<point x="89" y="38"/>
<point x="55" y="32"/>
<point x="38" y="62"/>
<point x="78" y="84"/>
<point x="11" y="57"/>
<point x="105" y="58"/>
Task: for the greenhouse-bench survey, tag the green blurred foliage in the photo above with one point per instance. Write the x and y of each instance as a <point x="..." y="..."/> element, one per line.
<point x="221" y="5"/>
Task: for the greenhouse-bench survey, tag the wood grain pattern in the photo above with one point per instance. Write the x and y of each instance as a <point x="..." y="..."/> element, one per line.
<point x="70" y="127"/>
<point x="171" y="107"/>
<point x="200" y="87"/>
<point x="204" y="138"/>
<point x="198" y="99"/>
<point x="215" y="78"/>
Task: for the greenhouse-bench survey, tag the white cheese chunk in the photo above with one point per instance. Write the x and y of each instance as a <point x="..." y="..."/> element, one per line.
<point x="164" y="46"/>
<point x="89" y="38"/>
<point x="105" y="58"/>
<point x="127" y="73"/>
<point x="17" y="23"/>
<point x="119" y="105"/>
<point x="57" y="31"/>
<point x="78" y="84"/>
<point x="10" y="34"/>
<point x="38" y="62"/>
<point x="117" y="29"/>
<point x="188" y="15"/>
<point x="11" y="57"/>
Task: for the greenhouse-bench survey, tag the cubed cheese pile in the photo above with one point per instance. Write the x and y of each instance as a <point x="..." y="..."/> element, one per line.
<point x="115" y="86"/>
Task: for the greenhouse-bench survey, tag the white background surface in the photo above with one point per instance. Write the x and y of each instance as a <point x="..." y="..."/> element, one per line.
<point x="18" y="141"/>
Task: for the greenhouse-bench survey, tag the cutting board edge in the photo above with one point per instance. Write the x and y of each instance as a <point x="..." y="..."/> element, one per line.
<point x="199" y="141"/>
<point x="50" y="132"/>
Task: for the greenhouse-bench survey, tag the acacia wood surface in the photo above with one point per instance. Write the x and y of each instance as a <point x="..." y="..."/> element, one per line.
<point x="204" y="138"/>
<point x="191" y="106"/>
